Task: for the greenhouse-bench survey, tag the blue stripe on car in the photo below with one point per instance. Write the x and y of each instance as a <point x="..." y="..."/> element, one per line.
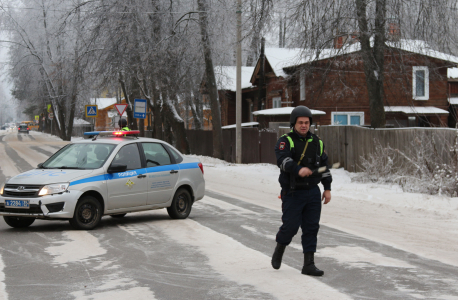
<point x="133" y="173"/>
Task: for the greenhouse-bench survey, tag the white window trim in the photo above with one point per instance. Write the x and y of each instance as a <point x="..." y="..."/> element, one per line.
<point x="414" y="83"/>
<point x="302" y="85"/>
<point x="360" y="114"/>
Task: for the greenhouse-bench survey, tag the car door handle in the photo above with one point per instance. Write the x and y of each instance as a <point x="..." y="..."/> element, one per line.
<point x="173" y="172"/>
<point x="141" y="176"/>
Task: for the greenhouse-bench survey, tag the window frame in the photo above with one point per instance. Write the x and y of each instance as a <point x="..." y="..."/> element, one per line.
<point x="276" y="100"/>
<point x="142" y="153"/>
<point x="302" y="85"/>
<point x="349" y="114"/>
<point x="414" y="82"/>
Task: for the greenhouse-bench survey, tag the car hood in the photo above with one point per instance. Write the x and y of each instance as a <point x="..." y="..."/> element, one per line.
<point x="48" y="176"/>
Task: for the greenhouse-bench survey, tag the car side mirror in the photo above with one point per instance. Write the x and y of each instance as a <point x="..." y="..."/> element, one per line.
<point x="116" y="168"/>
<point x="39" y="165"/>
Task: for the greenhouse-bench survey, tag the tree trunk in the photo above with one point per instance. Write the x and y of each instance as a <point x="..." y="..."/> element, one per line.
<point x="157" y="113"/>
<point x="211" y="81"/>
<point x="258" y="25"/>
<point x="373" y="59"/>
<point x="130" y="116"/>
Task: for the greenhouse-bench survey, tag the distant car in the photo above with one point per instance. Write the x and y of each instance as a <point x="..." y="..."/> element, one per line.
<point x="111" y="175"/>
<point x="4" y="127"/>
<point x="23" y="128"/>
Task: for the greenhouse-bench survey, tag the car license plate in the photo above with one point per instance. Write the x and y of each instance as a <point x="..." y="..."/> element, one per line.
<point x="17" y="203"/>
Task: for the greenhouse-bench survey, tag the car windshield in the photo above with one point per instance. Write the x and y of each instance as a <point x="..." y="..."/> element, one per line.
<point x="79" y="156"/>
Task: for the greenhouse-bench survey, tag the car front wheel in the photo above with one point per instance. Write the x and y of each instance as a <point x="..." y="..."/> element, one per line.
<point x="18" y="222"/>
<point x="88" y="213"/>
<point x="181" y="205"/>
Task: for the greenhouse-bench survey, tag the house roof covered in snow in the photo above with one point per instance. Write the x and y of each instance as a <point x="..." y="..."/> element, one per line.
<point x="103" y="103"/>
<point x="281" y="58"/>
<point x="80" y="122"/>
<point x="416" y="110"/>
<point x="226" y="77"/>
<point x="283" y="111"/>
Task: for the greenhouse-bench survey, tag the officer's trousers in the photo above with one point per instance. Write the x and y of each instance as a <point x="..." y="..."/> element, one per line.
<point x="300" y="208"/>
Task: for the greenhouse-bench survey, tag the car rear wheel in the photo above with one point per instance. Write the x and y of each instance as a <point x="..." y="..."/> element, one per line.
<point x="88" y="213"/>
<point x="118" y="216"/>
<point x="18" y="222"/>
<point x="181" y="205"/>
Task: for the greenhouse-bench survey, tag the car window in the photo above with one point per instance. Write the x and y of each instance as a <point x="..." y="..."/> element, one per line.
<point x="175" y="154"/>
<point x="155" y="155"/>
<point x="80" y="156"/>
<point x="129" y="156"/>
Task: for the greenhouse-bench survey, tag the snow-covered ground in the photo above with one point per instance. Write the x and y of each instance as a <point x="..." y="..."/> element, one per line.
<point x="423" y="224"/>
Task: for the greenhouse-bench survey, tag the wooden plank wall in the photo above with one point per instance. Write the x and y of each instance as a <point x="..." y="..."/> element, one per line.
<point x="347" y="144"/>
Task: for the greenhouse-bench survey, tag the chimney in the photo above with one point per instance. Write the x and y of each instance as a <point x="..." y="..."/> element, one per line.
<point x="394" y="32"/>
<point x="340" y="40"/>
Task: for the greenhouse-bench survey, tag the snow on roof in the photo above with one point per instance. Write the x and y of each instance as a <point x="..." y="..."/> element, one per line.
<point x="280" y="58"/>
<point x="416" y="110"/>
<point x="226" y="77"/>
<point x="243" y="125"/>
<point x="103" y="103"/>
<point x="454" y="100"/>
<point x="80" y="122"/>
<point x="287" y="59"/>
<point x="452" y="72"/>
<point x="283" y="111"/>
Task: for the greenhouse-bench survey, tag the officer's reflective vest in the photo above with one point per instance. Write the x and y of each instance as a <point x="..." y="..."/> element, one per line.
<point x="125" y="129"/>
<point x="291" y="142"/>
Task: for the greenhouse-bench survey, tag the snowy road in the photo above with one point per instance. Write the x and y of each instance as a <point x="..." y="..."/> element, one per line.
<point x="222" y="251"/>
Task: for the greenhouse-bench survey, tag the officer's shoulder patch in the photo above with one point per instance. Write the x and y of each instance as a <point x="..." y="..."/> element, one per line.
<point x="282" y="146"/>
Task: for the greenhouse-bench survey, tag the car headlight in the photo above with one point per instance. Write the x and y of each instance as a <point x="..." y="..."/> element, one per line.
<point x="53" y="189"/>
<point x="1" y="189"/>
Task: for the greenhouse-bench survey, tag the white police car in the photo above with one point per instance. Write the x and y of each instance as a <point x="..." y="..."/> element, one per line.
<point x="111" y="175"/>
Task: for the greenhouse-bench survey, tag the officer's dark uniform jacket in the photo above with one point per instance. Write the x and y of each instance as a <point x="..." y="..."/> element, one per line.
<point x="289" y="149"/>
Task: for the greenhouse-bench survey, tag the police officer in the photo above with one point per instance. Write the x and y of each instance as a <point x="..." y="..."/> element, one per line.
<point x="123" y="124"/>
<point x="299" y="155"/>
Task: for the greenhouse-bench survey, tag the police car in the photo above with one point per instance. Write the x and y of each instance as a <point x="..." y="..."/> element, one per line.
<point x="112" y="173"/>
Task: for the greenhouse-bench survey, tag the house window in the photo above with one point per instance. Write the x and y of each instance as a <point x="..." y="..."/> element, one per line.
<point x="420" y="83"/>
<point x="347" y="118"/>
<point x="302" y="85"/>
<point x="276" y="102"/>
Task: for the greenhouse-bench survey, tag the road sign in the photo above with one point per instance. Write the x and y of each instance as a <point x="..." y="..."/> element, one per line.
<point x="140" y="108"/>
<point x="49" y="107"/>
<point x="121" y="108"/>
<point x="51" y="116"/>
<point x="92" y="111"/>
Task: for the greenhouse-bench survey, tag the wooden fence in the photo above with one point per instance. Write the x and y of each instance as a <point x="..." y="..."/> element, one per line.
<point x="258" y="147"/>
<point x="348" y="144"/>
<point x="344" y="144"/>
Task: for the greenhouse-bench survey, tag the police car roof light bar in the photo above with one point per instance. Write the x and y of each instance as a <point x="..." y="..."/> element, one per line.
<point x="115" y="133"/>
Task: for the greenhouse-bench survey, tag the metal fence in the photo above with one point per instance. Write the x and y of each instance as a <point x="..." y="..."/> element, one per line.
<point x="344" y="144"/>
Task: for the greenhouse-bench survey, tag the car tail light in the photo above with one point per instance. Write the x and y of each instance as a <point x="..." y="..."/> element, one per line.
<point x="201" y="166"/>
<point x="18" y="128"/>
<point x="27" y="128"/>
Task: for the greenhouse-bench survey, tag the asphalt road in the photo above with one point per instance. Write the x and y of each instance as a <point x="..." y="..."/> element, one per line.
<point x="149" y="256"/>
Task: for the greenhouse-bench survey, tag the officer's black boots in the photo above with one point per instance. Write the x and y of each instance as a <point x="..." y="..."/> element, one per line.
<point x="278" y="255"/>
<point x="309" y="267"/>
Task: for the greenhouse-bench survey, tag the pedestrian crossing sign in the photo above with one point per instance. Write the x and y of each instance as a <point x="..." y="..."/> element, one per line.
<point x="92" y="111"/>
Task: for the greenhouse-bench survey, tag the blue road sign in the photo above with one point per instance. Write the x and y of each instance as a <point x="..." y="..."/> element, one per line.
<point x="92" y="111"/>
<point x="140" y="108"/>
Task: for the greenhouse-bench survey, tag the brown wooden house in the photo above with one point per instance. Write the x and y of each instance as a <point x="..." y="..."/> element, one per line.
<point x="416" y="87"/>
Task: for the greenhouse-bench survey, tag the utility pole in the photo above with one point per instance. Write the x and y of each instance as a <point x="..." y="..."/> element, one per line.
<point x="238" y="106"/>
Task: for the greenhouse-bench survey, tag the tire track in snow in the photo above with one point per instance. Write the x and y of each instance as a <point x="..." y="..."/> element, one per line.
<point x="20" y="164"/>
<point x="81" y="247"/>
<point x="244" y="265"/>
